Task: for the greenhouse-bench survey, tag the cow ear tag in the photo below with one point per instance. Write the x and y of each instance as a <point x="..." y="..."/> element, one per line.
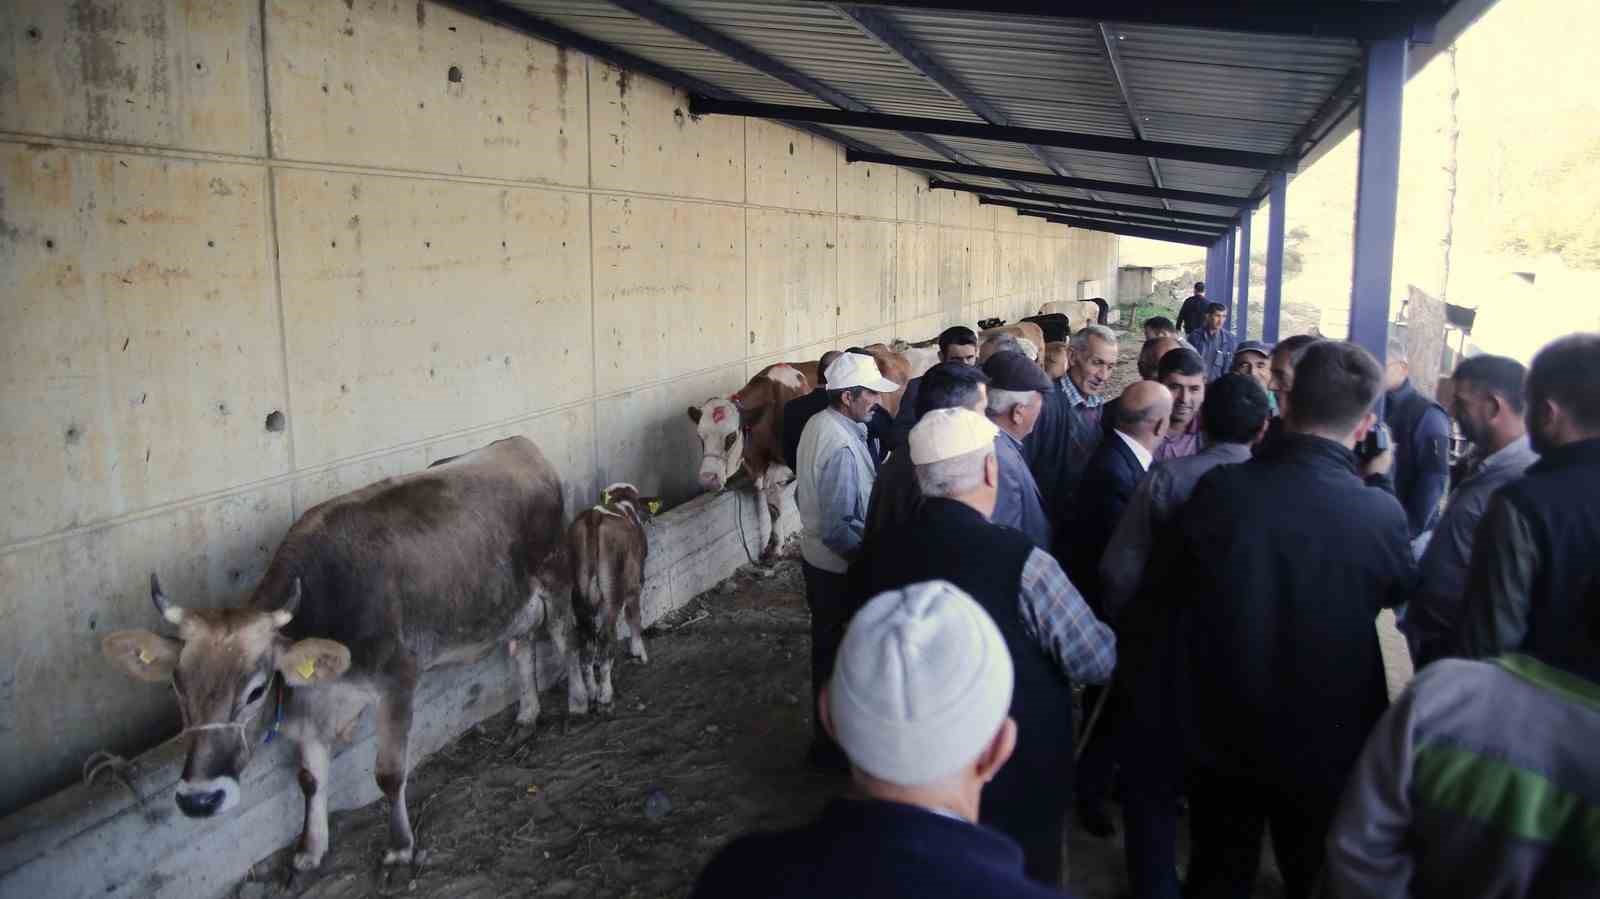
<point x="306" y="669"/>
<point x="145" y="657"/>
<point x="654" y="506"/>
<point x="605" y="497"/>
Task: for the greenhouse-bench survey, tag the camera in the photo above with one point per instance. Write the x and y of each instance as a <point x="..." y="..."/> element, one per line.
<point x="1375" y="444"/>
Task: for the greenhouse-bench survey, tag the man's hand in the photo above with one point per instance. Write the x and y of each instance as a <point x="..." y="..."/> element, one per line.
<point x="1379" y="464"/>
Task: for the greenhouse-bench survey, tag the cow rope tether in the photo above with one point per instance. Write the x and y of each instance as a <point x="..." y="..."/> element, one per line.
<point x="239" y="726"/>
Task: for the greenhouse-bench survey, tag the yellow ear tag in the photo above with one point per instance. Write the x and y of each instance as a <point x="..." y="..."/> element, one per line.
<point x="655" y="506"/>
<point x="145" y="657"/>
<point x="605" y="497"/>
<point x="306" y="669"/>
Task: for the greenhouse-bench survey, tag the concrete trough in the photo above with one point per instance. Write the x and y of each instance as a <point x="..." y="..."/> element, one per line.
<point x="102" y="841"/>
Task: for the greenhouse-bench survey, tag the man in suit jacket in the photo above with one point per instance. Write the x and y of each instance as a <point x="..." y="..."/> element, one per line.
<point x="1114" y="472"/>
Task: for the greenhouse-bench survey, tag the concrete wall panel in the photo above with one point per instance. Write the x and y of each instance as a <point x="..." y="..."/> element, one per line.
<point x="646" y="141"/>
<point x="669" y="289"/>
<point x="60" y="700"/>
<point x="867" y="190"/>
<point x="916" y="270"/>
<point x="424" y="88"/>
<point x="565" y="436"/>
<point x="138" y="337"/>
<point x="866" y="274"/>
<point x="407" y="301"/>
<point x="793" y="272"/>
<point x="159" y="72"/>
<point x="913" y="201"/>
<point x="790" y="169"/>
<point x="646" y="437"/>
<point x="954" y="258"/>
<point x="808" y="353"/>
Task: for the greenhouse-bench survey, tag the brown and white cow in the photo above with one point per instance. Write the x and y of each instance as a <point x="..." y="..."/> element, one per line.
<point x="744" y="432"/>
<point x="367" y="591"/>
<point x="607" y="545"/>
<point x="1020" y="330"/>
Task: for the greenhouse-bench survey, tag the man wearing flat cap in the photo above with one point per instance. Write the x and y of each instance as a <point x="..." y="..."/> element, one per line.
<point x="919" y="701"/>
<point x="833" y="481"/>
<point x="1053" y="637"/>
<point x="1017" y="388"/>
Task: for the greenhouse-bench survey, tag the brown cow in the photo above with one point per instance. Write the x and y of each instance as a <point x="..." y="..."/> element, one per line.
<point x="367" y="591"/>
<point x="607" y="545"/>
<point x="1020" y="330"/>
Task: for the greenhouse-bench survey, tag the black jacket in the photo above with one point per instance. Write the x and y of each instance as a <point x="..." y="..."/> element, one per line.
<point x="1421" y="432"/>
<point x="1534" y="581"/>
<point x="1286" y="561"/>
<point x="1058" y="450"/>
<point x="1192" y="315"/>
<point x="1108" y="483"/>
<point x="871" y="850"/>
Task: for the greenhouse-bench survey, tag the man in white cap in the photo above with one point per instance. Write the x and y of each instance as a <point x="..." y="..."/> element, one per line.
<point x="834" y="471"/>
<point x="918" y="699"/>
<point x="1053" y="637"/>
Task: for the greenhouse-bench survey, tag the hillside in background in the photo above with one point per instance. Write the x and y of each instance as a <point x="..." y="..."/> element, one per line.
<point x="1498" y="199"/>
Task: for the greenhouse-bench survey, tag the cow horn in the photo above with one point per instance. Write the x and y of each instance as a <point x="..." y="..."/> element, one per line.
<point x="285" y="613"/>
<point x="168" y="611"/>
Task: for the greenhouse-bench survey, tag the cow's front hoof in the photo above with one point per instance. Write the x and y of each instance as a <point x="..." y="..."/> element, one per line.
<point x="397" y="857"/>
<point x="307" y="861"/>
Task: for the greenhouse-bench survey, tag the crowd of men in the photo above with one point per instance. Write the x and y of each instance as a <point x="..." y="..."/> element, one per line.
<point x="1208" y="552"/>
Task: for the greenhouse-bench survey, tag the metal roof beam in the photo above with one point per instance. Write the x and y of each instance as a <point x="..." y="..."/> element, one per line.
<point x="1135" y="118"/>
<point x="1155" y="219"/>
<point x="1348" y="19"/>
<point x="913" y="124"/>
<point x="1115" y="187"/>
<point x="1190" y="230"/>
<point x="524" y="23"/>
<point x="1175" y="215"/>
<point x="1184" y="237"/>
<point x="710" y="38"/>
<point x="880" y="28"/>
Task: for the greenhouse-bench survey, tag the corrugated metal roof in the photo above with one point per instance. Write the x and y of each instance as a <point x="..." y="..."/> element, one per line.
<point x="1222" y="89"/>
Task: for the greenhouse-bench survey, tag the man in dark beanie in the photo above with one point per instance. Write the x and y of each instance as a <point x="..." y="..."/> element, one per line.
<point x="1017" y="388"/>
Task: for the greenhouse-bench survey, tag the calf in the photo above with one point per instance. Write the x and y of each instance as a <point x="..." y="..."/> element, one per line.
<point x="744" y="432"/>
<point x="366" y="592"/>
<point x="607" y="545"/>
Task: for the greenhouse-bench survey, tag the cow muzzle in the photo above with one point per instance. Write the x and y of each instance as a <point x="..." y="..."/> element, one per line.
<point x="202" y="799"/>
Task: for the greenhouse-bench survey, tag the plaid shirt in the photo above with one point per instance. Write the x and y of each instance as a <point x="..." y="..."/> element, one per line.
<point x="1075" y="397"/>
<point x="1054" y="614"/>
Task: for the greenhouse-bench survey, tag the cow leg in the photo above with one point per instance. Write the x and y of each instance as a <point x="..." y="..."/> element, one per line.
<point x="630" y="608"/>
<point x="579" y="674"/>
<point x="778" y="479"/>
<point x="314" y="784"/>
<point x="527" y="683"/>
<point x="394" y="737"/>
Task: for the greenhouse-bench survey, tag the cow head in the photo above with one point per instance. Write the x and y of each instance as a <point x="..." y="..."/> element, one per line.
<point x="721" y="427"/>
<point x="223" y="665"/>
<point x="626" y="497"/>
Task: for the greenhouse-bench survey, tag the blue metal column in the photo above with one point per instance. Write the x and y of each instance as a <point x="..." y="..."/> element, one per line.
<point x="1272" y="304"/>
<point x="1225" y="295"/>
<point x="1212" y="278"/>
<point x="1241" y="318"/>
<point x="1377" y="187"/>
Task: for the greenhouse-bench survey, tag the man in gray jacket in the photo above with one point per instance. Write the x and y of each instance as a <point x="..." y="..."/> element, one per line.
<point x="834" y="473"/>
<point x="1488" y="406"/>
<point x="1017" y="388"/>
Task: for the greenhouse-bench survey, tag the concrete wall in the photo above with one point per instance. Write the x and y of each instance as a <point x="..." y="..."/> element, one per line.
<point x="256" y="254"/>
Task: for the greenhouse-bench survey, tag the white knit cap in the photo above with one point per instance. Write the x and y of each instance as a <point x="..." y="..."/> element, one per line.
<point x="947" y="433"/>
<point x="921" y="684"/>
<point x="856" y="370"/>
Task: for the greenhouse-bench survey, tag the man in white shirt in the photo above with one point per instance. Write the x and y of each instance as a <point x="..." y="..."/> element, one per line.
<point x="834" y="472"/>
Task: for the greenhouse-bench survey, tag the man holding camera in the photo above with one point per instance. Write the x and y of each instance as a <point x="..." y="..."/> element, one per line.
<point x="1284" y="563"/>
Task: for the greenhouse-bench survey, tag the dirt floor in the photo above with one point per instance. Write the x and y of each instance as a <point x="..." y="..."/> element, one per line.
<point x="704" y="743"/>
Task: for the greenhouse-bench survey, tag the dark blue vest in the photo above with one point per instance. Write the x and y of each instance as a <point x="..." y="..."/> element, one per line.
<point x="951" y="541"/>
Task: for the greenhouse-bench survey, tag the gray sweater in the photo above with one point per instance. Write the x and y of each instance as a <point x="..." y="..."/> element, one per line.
<point x="1481" y="781"/>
